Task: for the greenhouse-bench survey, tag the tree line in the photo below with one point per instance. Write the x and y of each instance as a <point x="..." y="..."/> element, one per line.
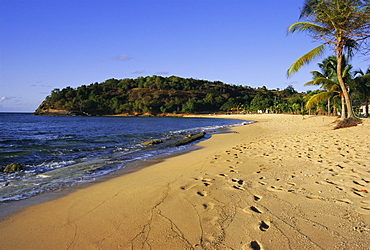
<point x="157" y="94"/>
<point x="153" y="95"/>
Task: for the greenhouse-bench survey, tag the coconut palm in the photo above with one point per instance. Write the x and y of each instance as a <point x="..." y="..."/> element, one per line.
<point x="328" y="81"/>
<point x="340" y="23"/>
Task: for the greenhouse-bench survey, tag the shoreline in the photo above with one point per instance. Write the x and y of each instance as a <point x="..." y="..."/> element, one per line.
<point x="283" y="181"/>
<point x="8" y="208"/>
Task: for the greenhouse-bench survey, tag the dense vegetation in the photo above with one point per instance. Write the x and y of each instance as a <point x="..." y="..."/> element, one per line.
<point x="156" y="95"/>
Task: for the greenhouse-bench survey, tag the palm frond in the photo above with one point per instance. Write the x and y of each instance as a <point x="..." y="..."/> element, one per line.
<point x="324" y="82"/>
<point x="316" y="74"/>
<point x="305" y="59"/>
<point x="335" y="88"/>
<point x="346" y="70"/>
<point x="307" y="27"/>
<point x="317" y="98"/>
<point x="316" y="81"/>
<point x="363" y="80"/>
<point x="358" y="72"/>
<point x="308" y="83"/>
<point x="308" y="9"/>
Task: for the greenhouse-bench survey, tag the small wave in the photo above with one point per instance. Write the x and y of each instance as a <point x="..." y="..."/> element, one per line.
<point x="210" y="128"/>
<point x="50" y="165"/>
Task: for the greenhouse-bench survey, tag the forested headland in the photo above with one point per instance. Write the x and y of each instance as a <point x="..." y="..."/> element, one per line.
<point x="157" y="95"/>
<point x="153" y="95"/>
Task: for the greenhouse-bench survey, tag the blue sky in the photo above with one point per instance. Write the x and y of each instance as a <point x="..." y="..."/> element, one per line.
<point x="48" y="44"/>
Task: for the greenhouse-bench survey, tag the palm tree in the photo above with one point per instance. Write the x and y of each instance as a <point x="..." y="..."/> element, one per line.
<point x="362" y="87"/>
<point x="344" y="24"/>
<point x="328" y="81"/>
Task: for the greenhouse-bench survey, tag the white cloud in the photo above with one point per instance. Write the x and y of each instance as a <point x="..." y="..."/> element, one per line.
<point x="138" y="71"/>
<point x="3" y="99"/>
<point x="122" y="57"/>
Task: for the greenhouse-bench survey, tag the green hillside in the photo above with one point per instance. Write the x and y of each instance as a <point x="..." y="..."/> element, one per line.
<point x="157" y="95"/>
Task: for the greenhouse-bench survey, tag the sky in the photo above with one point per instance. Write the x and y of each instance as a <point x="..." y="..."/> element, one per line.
<point x="48" y="44"/>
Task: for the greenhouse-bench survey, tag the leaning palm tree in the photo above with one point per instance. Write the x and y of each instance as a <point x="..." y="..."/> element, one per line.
<point x="344" y="24"/>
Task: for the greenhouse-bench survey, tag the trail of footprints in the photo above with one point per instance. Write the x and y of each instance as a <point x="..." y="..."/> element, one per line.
<point x="352" y="184"/>
<point x="345" y="169"/>
<point x="285" y="183"/>
<point x="235" y="183"/>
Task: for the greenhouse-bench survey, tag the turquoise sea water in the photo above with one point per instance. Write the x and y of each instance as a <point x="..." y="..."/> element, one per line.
<point x="58" y="152"/>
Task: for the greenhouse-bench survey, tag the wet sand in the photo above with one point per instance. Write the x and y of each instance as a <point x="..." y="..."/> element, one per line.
<point x="285" y="182"/>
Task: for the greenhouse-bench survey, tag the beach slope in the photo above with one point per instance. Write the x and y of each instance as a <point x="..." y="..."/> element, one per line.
<point x="285" y="182"/>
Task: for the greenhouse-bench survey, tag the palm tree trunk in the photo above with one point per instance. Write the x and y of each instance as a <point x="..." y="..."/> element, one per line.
<point x="329" y="111"/>
<point x="342" y="84"/>
<point x="367" y="108"/>
<point x="343" y="116"/>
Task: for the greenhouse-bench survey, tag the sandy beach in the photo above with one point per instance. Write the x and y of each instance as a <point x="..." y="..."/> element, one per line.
<point x="284" y="182"/>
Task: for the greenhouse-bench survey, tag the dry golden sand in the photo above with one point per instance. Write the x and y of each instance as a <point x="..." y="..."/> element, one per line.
<point x="282" y="183"/>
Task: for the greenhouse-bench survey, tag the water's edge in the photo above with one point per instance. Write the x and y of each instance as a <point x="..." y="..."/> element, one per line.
<point x="9" y="208"/>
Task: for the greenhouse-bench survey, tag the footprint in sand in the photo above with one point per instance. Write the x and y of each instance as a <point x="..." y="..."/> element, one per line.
<point x="240" y="182"/>
<point x="207" y="182"/>
<point x="238" y="187"/>
<point x="187" y="187"/>
<point x="365" y="180"/>
<point x="202" y="193"/>
<point x="255" y="209"/>
<point x="255" y="245"/>
<point x="345" y="201"/>
<point x="359" y="192"/>
<point x="256" y="198"/>
<point x="232" y="169"/>
<point x="357" y="183"/>
<point x="208" y="206"/>
<point x="274" y="188"/>
<point x="264" y="226"/>
<point x="366" y="208"/>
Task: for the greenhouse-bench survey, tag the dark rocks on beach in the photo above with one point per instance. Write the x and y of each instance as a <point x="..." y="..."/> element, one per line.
<point x="150" y="143"/>
<point x="12" y="168"/>
<point x="189" y="138"/>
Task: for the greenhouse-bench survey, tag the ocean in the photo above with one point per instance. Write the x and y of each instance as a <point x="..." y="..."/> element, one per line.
<point x="60" y="152"/>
